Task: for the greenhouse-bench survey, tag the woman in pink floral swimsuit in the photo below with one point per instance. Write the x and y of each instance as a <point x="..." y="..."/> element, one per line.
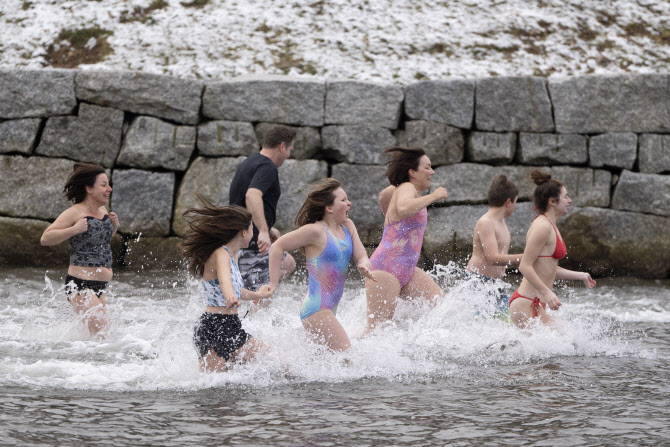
<point x="409" y="172"/>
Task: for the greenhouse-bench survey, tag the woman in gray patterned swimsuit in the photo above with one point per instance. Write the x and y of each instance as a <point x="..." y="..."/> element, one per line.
<point x="90" y="228"/>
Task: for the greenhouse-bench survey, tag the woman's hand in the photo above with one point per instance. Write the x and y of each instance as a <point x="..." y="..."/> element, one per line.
<point x="365" y="268"/>
<point x="114" y="219"/>
<point x="552" y="300"/>
<point x="232" y="302"/>
<point x="264" y="292"/>
<point x="439" y="194"/>
<point x="81" y="226"/>
<point x="588" y="281"/>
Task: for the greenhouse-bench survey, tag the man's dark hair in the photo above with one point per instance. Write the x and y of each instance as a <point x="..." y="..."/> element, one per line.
<point x="278" y="135"/>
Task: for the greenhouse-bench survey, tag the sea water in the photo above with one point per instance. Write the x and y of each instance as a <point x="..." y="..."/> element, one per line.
<point x="455" y="374"/>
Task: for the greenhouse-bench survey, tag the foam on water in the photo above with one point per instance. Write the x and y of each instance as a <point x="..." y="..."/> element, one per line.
<point x="149" y="345"/>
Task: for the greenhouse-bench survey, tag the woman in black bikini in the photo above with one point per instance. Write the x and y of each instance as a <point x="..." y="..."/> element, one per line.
<point x="90" y="228"/>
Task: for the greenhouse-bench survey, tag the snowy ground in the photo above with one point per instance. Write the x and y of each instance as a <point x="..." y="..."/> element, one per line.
<point x="382" y="40"/>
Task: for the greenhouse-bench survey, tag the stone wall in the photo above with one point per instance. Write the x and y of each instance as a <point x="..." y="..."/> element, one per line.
<point x="163" y="139"/>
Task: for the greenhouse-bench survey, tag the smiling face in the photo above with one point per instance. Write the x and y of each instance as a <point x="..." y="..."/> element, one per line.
<point x="563" y="202"/>
<point x="421" y="177"/>
<point x="340" y="207"/>
<point x="100" y="191"/>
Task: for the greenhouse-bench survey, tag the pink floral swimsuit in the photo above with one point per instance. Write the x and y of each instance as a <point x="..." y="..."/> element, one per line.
<point x="400" y="246"/>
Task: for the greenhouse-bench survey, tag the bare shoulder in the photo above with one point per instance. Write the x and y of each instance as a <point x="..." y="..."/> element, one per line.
<point x="349" y="225"/>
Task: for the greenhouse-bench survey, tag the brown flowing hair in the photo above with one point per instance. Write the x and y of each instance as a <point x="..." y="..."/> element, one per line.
<point x="82" y="175"/>
<point x="547" y="188"/>
<point x="401" y="160"/>
<point x="316" y="202"/>
<point x="209" y="228"/>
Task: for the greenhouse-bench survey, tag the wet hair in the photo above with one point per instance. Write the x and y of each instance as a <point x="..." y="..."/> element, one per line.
<point x="209" y="228"/>
<point x="401" y="160"/>
<point x="278" y="135"/>
<point x="500" y="190"/>
<point x="547" y="188"/>
<point x="82" y="175"/>
<point x="314" y="207"/>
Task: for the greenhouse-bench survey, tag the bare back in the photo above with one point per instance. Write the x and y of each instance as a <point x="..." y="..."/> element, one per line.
<point x="486" y="228"/>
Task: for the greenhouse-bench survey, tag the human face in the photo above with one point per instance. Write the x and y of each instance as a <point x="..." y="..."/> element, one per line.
<point x="421" y="178"/>
<point x="510" y="206"/>
<point x="100" y="191"/>
<point x="563" y="202"/>
<point x="285" y="152"/>
<point x="341" y="206"/>
<point x="247" y="235"/>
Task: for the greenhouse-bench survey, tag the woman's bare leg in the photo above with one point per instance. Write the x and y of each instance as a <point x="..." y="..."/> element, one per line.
<point x="422" y="285"/>
<point x="381" y="299"/>
<point x="521" y="313"/>
<point x="93" y="309"/>
<point x="212" y="363"/>
<point x="249" y="351"/>
<point x="324" y="326"/>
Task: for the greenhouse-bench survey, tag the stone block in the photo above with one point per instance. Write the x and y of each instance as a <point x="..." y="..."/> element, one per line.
<point x="33" y="187"/>
<point x="449" y="102"/>
<point x="307" y="140"/>
<point x="295" y="178"/>
<point x="492" y="148"/>
<point x="354" y="102"/>
<point x="443" y="144"/>
<point x="210" y="177"/>
<point x="363" y="185"/>
<point x="143" y="201"/>
<point x="654" y="156"/>
<point x="621" y="103"/>
<point x="165" y="97"/>
<point x="36" y="93"/>
<point x="20" y="244"/>
<point x="608" y="242"/>
<point x="94" y="135"/>
<point x="18" y="135"/>
<point x="513" y="104"/>
<point x="154" y="143"/>
<point x="586" y="187"/>
<point x="616" y="150"/>
<point x="541" y="149"/>
<point x="448" y="235"/>
<point x="227" y="138"/>
<point x="153" y="253"/>
<point x="275" y="99"/>
<point x="357" y="144"/>
<point x="642" y="193"/>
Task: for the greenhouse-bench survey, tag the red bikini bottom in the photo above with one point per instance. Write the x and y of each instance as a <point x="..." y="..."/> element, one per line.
<point x="535" y="305"/>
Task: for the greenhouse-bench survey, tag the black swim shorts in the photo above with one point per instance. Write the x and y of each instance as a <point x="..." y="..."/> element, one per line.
<point x="220" y="332"/>
<point x="76" y="285"/>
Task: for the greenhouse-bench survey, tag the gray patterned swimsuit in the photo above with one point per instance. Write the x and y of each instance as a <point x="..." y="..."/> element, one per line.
<point x="93" y="248"/>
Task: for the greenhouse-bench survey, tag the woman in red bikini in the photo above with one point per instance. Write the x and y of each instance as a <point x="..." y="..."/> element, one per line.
<point x="544" y="247"/>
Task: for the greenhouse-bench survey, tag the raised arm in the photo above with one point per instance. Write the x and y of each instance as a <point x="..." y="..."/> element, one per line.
<point x="487" y="237"/>
<point x="306" y="235"/>
<point x="562" y="273"/>
<point x="63" y="228"/>
<point x="535" y="242"/>
<point x="407" y="203"/>
<point x="359" y="254"/>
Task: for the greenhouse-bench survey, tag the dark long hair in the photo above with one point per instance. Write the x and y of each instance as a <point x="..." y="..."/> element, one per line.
<point x="547" y="188"/>
<point x="401" y="160"/>
<point x="314" y="207"/>
<point x="82" y="175"/>
<point x="209" y="228"/>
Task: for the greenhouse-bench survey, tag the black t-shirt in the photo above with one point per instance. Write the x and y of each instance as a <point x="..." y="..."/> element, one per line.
<point x="259" y="172"/>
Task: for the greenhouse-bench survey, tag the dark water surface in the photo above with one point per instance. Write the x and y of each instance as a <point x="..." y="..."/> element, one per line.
<point x="446" y="376"/>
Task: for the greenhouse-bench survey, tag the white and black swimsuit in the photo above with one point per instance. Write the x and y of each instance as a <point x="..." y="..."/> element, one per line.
<point x="92" y="248"/>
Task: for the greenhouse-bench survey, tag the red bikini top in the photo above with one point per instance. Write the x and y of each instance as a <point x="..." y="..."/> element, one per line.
<point x="561" y="250"/>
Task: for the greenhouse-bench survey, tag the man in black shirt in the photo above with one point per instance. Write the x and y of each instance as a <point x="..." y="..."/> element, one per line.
<point x="256" y="187"/>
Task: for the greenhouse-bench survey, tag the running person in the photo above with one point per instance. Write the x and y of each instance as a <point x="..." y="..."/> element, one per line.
<point x="329" y="239"/>
<point x="90" y="228"/>
<point x="255" y="186"/>
<point x="491" y="238"/>
<point x="211" y="243"/>
<point x="409" y="172"/>
<point x="544" y="248"/>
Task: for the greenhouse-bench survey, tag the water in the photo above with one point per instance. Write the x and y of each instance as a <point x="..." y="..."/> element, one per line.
<point x="447" y="376"/>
